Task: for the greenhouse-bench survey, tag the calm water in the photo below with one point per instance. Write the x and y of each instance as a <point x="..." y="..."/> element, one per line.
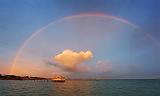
<point x="80" y="88"/>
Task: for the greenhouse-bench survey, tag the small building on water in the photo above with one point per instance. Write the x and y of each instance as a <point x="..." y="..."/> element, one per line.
<point x="58" y="78"/>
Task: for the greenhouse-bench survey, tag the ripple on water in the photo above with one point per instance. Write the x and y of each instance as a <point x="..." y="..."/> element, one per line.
<point x="80" y="88"/>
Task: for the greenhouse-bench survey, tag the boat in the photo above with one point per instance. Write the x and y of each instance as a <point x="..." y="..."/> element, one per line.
<point x="58" y="79"/>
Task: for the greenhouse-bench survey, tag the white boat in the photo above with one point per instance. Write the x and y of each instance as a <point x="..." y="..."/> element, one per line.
<point x="58" y="79"/>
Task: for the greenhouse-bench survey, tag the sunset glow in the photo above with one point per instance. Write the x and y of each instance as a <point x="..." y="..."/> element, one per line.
<point x="77" y="44"/>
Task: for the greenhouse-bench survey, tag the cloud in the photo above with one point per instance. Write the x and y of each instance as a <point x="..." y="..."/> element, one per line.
<point x="70" y="59"/>
<point x="103" y="66"/>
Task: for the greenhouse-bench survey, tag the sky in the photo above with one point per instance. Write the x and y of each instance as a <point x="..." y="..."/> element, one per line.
<point x="19" y="19"/>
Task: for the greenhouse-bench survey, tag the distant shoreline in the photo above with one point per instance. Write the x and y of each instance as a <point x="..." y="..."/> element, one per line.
<point x="14" y="77"/>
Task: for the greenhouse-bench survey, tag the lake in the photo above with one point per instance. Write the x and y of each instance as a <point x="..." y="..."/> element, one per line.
<point x="80" y="88"/>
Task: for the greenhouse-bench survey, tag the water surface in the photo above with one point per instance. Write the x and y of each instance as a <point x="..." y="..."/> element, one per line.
<point x="80" y="88"/>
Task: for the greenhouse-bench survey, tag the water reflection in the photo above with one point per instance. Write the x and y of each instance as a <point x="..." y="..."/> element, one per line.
<point x="80" y="88"/>
<point x="72" y="88"/>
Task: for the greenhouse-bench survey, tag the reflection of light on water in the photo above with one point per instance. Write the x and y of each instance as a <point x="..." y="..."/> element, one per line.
<point x="80" y="88"/>
<point x="72" y="88"/>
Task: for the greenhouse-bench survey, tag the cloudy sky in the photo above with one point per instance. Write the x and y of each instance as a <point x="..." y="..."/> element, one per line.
<point x="122" y="50"/>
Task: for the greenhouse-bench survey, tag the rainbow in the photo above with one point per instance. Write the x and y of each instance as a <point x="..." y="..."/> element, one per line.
<point x="101" y="15"/>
